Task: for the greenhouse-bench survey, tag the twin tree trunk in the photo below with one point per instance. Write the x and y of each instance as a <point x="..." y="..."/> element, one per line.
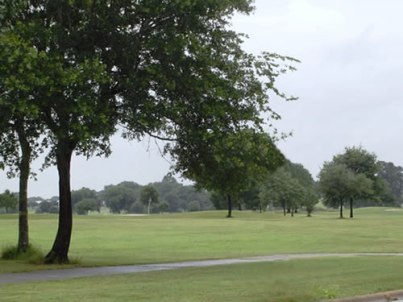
<point x="351" y="208"/>
<point x="23" y="234"/>
<point x="61" y="245"/>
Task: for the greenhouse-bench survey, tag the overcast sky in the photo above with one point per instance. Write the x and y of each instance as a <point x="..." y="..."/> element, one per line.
<point x="349" y="84"/>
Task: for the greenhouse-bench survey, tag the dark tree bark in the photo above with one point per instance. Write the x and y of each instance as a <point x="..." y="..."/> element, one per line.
<point x="351" y="208"/>
<point x="229" y="206"/>
<point x="23" y="232"/>
<point x="24" y="165"/>
<point x="341" y="209"/>
<point x="61" y="245"/>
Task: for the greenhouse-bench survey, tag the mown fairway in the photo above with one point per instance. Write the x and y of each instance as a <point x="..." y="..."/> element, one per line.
<point x="110" y="240"/>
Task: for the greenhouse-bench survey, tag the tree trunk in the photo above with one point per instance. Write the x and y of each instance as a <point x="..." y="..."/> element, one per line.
<point x="60" y="248"/>
<point x="351" y="208"/>
<point x="229" y="206"/>
<point x="341" y="209"/>
<point x="292" y="212"/>
<point x="24" y="165"/>
<point x="284" y="210"/>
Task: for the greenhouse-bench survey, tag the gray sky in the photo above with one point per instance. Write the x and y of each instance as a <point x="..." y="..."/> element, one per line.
<point x="348" y="84"/>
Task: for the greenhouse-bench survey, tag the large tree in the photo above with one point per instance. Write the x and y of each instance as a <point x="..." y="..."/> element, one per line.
<point x="169" y="69"/>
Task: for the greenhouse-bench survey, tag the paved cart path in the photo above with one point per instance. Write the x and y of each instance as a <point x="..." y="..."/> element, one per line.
<point x="61" y="274"/>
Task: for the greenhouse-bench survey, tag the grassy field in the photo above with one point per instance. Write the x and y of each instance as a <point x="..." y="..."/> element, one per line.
<point x="111" y="240"/>
<point x="299" y="281"/>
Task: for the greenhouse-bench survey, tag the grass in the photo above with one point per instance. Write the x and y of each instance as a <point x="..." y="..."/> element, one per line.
<point x="298" y="280"/>
<point x="113" y="240"/>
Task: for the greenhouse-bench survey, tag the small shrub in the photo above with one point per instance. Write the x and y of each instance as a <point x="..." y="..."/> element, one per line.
<point x="32" y="255"/>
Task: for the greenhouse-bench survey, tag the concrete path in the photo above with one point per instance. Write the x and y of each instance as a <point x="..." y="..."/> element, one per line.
<point x="61" y="274"/>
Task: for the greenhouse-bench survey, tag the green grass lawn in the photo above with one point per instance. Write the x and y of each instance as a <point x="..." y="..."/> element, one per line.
<point x="298" y="280"/>
<point x="114" y="239"/>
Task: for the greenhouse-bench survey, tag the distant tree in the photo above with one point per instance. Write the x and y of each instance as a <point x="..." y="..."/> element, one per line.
<point x="119" y="198"/>
<point x="137" y="207"/>
<point x="310" y="199"/>
<point x="339" y="184"/>
<point x="283" y="190"/>
<point x="393" y="177"/>
<point x="48" y="206"/>
<point x="8" y="201"/>
<point x="229" y="164"/>
<point x="85" y="205"/>
<point x="83" y="193"/>
<point x="290" y="187"/>
<point x="178" y="196"/>
<point x="148" y="196"/>
<point x="364" y="166"/>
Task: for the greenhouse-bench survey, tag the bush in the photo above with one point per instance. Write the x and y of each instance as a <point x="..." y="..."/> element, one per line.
<point x="32" y="255"/>
<point x="86" y="205"/>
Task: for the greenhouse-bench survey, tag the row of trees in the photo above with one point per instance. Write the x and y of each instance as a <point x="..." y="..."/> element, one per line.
<point x="290" y="187"/>
<point x="73" y="72"/>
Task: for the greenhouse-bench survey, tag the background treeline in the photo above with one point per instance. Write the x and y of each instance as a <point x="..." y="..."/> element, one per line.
<point x="130" y="197"/>
<point x="290" y="188"/>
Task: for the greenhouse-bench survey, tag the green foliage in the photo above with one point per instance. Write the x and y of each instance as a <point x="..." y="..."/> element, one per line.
<point x="148" y="196"/>
<point x="48" y="206"/>
<point x="392" y="177"/>
<point x="170" y="69"/>
<point x="85" y="205"/>
<point x="359" y="161"/>
<point x="349" y="176"/>
<point x="8" y="201"/>
<point x="289" y="187"/>
<point x="231" y="164"/>
<point x="120" y="197"/>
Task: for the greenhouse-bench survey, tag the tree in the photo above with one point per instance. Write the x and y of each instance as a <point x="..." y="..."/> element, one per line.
<point x="290" y="187"/>
<point x="48" y="206"/>
<point x="334" y="184"/>
<point x="85" y="205"/>
<point x="84" y="194"/>
<point x="169" y="69"/>
<point x="339" y="184"/>
<point x="148" y="196"/>
<point x="119" y="198"/>
<point x="229" y="164"/>
<point x="282" y="189"/>
<point x="19" y="128"/>
<point x="8" y="201"/>
<point x="393" y="177"/>
<point x="364" y="166"/>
